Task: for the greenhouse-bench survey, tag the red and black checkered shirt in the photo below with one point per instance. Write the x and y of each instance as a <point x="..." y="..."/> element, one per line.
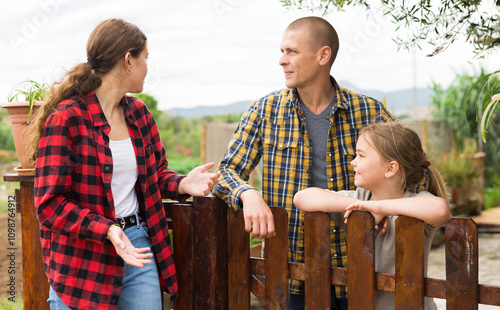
<point x="75" y="205"/>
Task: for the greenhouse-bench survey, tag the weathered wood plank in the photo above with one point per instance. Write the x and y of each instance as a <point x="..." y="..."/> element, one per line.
<point x="276" y="263"/>
<point x="210" y="248"/>
<point x="35" y="283"/>
<point x="409" y="260"/>
<point x="361" y="260"/>
<point x="182" y="217"/>
<point x="238" y="242"/>
<point x="462" y="291"/>
<point x="317" y="260"/>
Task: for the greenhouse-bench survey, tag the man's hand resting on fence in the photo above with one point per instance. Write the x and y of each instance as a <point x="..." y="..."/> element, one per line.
<point x="259" y="219"/>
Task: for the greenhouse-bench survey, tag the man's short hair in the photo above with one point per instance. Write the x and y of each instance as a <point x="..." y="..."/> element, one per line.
<point x="321" y="33"/>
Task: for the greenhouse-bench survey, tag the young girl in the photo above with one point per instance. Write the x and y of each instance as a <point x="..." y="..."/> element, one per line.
<point x="389" y="165"/>
<point x="101" y="174"/>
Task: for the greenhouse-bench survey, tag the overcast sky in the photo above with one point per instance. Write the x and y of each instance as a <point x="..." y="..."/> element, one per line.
<point x="213" y="52"/>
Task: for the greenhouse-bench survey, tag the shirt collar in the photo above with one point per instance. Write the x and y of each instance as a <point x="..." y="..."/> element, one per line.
<point x="98" y="117"/>
<point x="339" y="100"/>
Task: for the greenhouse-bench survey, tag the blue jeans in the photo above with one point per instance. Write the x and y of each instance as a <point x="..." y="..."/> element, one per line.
<point x="140" y="286"/>
<point x="297" y="302"/>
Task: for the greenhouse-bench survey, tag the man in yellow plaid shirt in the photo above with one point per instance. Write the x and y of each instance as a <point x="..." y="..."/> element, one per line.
<point x="306" y="136"/>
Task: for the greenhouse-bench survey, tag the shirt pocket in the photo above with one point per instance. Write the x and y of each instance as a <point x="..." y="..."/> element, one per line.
<point x="281" y="162"/>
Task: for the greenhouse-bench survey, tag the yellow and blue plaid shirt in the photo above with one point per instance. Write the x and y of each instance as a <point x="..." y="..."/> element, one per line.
<point x="274" y="130"/>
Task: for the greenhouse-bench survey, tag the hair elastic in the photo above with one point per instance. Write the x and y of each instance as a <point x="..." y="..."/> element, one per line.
<point x="92" y="63"/>
<point x="426" y="164"/>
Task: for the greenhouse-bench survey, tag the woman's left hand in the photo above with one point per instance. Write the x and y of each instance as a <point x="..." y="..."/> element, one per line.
<point x="197" y="182"/>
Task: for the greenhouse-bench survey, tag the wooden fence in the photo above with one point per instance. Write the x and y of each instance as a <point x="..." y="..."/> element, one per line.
<point x="215" y="270"/>
<point x="217" y="230"/>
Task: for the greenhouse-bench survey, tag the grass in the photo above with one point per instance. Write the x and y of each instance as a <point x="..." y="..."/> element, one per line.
<point x="6" y="304"/>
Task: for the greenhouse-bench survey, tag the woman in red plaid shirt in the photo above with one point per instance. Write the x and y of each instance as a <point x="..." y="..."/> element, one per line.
<point x="101" y="174"/>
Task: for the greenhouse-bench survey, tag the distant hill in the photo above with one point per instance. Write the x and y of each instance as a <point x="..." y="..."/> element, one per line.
<point x="200" y="111"/>
<point x="399" y="102"/>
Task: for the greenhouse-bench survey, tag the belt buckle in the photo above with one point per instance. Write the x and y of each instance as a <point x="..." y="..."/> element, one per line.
<point x="122" y="222"/>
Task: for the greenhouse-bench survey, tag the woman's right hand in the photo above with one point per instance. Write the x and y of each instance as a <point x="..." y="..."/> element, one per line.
<point x="131" y="255"/>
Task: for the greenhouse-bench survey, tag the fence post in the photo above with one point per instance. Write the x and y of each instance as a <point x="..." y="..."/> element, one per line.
<point x="238" y="243"/>
<point x="210" y="248"/>
<point x="35" y="283"/>
<point x="276" y="263"/>
<point x="317" y="260"/>
<point x="361" y="260"/>
<point x="462" y="290"/>
<point x="182" y="217"/>
<point x="409" y="263"/>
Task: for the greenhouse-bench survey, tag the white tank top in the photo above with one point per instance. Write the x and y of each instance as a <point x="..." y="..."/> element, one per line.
<point x="124" y="177"/>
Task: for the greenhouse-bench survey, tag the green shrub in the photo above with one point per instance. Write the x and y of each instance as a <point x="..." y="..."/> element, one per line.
<point x="182" y="165"/>
<point x="492" y="191"/>
<point x="6" y="139"/>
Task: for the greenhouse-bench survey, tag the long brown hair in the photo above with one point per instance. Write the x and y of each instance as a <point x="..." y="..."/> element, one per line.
<point x="108" y="43"/>
<point x="394" y="141"/>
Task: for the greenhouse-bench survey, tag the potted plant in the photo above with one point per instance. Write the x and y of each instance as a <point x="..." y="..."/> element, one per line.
<point x="459" y="168"/>
<point x="22" y="104"/>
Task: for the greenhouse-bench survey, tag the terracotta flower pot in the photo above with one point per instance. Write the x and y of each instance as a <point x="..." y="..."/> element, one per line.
<point x="18" y="112"/>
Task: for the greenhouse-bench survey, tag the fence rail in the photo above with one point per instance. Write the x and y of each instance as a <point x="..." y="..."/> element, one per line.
<point x="215" y="270"/>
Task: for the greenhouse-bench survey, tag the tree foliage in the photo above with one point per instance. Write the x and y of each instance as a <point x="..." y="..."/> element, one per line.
<point x="6" y="139"/>
<point x="151" y="103"/>
<point x="439" y="23"/>
<point x="181" y="138"/>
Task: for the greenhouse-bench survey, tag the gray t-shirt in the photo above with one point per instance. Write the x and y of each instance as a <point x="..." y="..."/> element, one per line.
<point x="318" y="126"/>
<point x="385" y="249"/>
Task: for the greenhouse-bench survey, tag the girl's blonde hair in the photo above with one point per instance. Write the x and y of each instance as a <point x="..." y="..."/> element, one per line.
<point x="394" y="141"/>
<point x="108" y="43"/>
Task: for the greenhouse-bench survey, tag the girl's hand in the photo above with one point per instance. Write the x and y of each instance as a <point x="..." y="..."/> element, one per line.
<point x="373" y="207"/>
<point x="124" y="248"/>
<point x="198" y="183"/>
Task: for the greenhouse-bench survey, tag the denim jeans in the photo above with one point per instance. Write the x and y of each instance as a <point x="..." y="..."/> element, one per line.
<point x="55" y="302"/>
<point x="140" y="286"/>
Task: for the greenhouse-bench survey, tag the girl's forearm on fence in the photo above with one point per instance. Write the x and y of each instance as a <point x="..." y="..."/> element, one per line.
<point x="432" y="210"/>
<point x="317" y="199"/>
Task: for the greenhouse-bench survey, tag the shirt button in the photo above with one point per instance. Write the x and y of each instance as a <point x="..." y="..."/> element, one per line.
<point x="107" y="168"/>
<point x="330" y="154"/>
<point x="335" y="255"/>
<point x="331" y="179"/>
<point x="334" y="230"/>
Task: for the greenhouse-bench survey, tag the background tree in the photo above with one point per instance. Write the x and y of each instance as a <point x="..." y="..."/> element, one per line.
<point x="439" y="23"/>
<point x="151" y="102"/>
